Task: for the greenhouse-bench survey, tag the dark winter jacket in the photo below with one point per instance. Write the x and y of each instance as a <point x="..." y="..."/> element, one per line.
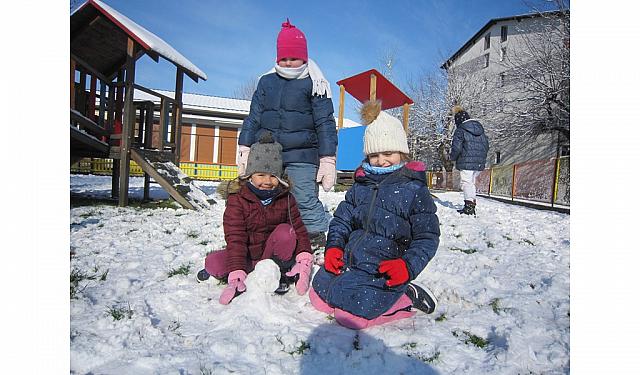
<point x="394" y="218"/>
<point x="303" y="124"/>
<point x="470" y="146"/>
<point x="247" y="225"/>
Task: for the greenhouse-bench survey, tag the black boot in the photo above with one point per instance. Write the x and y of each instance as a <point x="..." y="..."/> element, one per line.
<point x="469" y="208"/>
<point x="421" y="298"/>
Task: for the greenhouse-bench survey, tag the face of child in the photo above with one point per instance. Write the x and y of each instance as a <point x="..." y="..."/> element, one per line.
<point x="289" y="62"/>
<point x="264" y="181"/>
<point x="385" y="159"/>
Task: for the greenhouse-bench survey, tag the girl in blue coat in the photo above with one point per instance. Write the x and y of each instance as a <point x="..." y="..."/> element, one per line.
<point x="382" y="235"/>
<point x="293" y="102"/>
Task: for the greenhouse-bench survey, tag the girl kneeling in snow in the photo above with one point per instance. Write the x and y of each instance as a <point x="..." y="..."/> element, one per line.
<point x="261" y="221"/>
<point x="382" y="235"/>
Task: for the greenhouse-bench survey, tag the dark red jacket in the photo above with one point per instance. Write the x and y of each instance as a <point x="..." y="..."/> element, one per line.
<point x="247" y="225"/>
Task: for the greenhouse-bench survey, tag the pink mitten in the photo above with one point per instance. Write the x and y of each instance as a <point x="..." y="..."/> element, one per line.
<point x="235" y="287"/>
<point x="241" y="159"/>
<point x="327" y="172"/>
<point x="303" y="269"/>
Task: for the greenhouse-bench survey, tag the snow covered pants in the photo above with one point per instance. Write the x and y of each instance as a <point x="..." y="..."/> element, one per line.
<point x="279" y="247"/>
<point x="399" y="310"/>
<point x="468" y="184"/>
<point x="305" y="189"/>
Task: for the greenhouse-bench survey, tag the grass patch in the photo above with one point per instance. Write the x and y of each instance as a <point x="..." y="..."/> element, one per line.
<point x="75" y="278"/>
<point x="527" y="241"/>
<point x="330" y="318"/>
<point x="193" y="234"/>
<point x="409" y="345"/>
<point x="469" y="338"/>
<point x="490" y="244"/>
<point x="300" y="349"/>
<point x="182" y="270"/>
<point x="495" y="305"/>
<point x="441" y="318"/>
<point x="507" y="237"/>
<point x="466" y="251"/>
<point x="338" y="188"/>
<point x="204" y="243"/>
<point x="119" y="313"/>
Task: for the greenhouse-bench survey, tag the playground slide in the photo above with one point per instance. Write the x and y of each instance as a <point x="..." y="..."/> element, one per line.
<point x="172" y="179"/>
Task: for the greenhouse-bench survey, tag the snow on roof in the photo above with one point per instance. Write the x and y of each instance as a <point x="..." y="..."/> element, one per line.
<point x="147" y="39"/>
<point x="199" y="100"/>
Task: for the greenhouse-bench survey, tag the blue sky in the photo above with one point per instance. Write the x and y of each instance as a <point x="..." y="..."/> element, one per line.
<point x="234" y="41"/>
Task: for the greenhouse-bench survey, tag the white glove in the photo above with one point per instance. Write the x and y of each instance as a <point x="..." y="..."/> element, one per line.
<point x="241" y="159"/>
<point x="327" y="172"/>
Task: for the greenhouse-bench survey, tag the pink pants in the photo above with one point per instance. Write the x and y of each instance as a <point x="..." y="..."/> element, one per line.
<point x="280" y="244"/>
<point x="355" y="322"/>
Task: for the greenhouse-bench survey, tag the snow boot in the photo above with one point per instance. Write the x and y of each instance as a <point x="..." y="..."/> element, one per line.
<point x="469" y="208"/>
<point x="421" y="299"/>
<point x="202" y="275"/>
<point x="318" y="241"/>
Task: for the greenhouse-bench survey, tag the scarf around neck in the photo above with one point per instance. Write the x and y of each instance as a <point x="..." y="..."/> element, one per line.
<point x="381" y="170"/>
<point x="320" y="84"/>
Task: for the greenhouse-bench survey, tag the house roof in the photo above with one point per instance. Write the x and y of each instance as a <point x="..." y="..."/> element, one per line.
<point x="358" y="86"/>
<point x="486" y="27"/>
<point x="99" y="36"/>
<point x="195" y="101"/>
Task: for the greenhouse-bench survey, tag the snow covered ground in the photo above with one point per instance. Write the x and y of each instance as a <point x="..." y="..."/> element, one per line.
<point x="501" y="279"/>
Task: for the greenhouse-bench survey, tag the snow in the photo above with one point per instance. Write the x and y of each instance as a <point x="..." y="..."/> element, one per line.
<point x="502" y="277"/>
<point x="155" y="43"/>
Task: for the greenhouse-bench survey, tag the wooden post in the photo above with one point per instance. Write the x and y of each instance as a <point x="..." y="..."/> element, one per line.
<point x="341" y="108"/>
<point x="513" y="182"/>
<point x="83" y="95"/>
<point x="372" y="88"/>
<point x="405" y="117"/>
<point x="164" y="122"/>
<point x="103" y="104"/>
<point x="127" y="125"/>
<point x="148" y="139"/>
<point x="176" y="120"/>
<point x="91" y="105"/>
<point x="554" y="187"/>
<point x="110" y="108"/>
<point x="73" y="85"/>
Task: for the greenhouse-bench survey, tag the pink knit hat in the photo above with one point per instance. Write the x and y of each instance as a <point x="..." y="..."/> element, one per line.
<point x="291" y="43"/>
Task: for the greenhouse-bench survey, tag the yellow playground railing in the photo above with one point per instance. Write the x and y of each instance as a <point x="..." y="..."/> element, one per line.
<point x="197" y="171"/>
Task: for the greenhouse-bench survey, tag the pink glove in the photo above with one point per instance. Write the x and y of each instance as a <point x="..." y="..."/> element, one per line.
<point x="241" y="159"/>
<point x="327" y="172"/>
<point x="303" y="269"/>
<point x="235" y="287"/>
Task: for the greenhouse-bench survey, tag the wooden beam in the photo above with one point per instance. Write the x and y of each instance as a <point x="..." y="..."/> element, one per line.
<point x="154" y="93"/>
<point x="405" y="117"/>
<point x="372" y="88"/>
<point x="73" y="84"/>
<point x="87" y="124"/>
<point x="341" y="108"/>
<point x="176" y="120"/>
<point x="111" y="111"/>
<point x="91" y="105"/>
<point x="89" y="68"/>
<point x="127" y="125"/>
<point x="103" y="104"/>
<point x="164" y="122"/>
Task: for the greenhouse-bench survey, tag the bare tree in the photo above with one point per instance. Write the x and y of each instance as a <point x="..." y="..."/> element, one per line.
<point x="246" y="90"/>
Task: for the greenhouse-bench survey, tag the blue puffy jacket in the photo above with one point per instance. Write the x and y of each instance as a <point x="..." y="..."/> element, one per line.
<point x="470" y="146"/>
<point x="303" y="124"/>
<point x="379" y="220"/>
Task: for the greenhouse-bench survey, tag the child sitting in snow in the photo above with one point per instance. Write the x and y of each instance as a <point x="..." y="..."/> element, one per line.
<point x="382" y="235"/>
<point x="261" y="221"/>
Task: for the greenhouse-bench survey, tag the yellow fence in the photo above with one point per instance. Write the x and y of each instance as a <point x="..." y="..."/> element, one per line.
<point x="197" y="171"/>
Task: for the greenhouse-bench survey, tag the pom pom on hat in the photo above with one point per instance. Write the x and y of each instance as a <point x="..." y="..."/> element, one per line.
<point x="456" y="109"/>
<point x="291" y="43"/>
<point x="384" y="132"/>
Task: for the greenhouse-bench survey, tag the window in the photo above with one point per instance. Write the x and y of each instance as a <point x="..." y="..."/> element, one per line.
<point x="497" y="157"/>
<point x="486" y="60"/>
<point x="503" y="53"/>
<point x="487" y="41"/>
<point x="503" y="33"/>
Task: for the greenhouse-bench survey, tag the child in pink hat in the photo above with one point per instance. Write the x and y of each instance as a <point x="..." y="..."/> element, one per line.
<point x="293" y="101"/>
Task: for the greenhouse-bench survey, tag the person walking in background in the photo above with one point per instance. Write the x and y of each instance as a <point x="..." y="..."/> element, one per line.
<point x="381" y="236"/>
<point x="293" y="101"/>
<point x="261" y="221"/>
<point x="469" y="150"/>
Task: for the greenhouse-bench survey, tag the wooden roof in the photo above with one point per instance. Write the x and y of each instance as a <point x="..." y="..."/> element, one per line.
<point x="387" y="92"/>
<point x="99" y="37"/>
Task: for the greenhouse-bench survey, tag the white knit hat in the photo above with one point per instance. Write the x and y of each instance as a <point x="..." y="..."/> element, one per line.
<point x="384" y="133"/>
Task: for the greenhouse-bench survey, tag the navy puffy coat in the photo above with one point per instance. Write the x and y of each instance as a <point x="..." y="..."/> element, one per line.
<point x="470" y="146"/>
<point x="393" y="218"/>
<point x="301" y="122"/>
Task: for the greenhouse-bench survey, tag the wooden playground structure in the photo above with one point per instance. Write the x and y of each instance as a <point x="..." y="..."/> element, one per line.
<point x="105" y="120"/>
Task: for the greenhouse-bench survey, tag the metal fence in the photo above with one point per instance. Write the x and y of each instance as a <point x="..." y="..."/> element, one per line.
<point x="197" y="171"/>
<point x="545" y="181"/>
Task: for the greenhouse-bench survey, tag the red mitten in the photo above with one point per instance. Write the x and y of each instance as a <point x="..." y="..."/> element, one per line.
<point x="396" y="271"/>
<point x="333" y="261"/>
